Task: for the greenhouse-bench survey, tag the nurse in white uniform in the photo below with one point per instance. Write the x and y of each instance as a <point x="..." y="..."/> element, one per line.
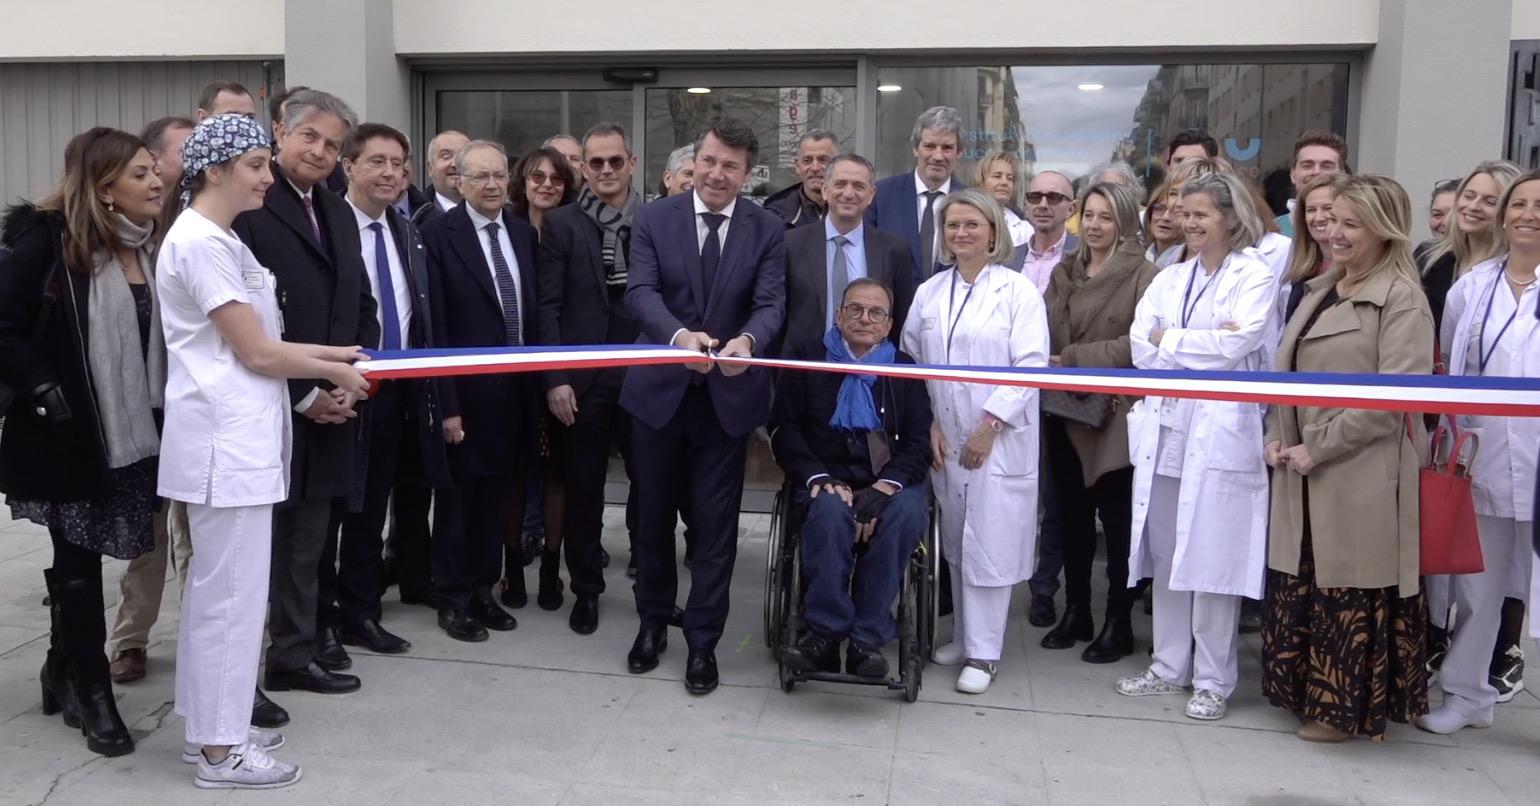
<point x="984" y="438"/>
<point x="225" y="448"/>
<point x="1200" y="486"/>
<point x="1490" y="329"/>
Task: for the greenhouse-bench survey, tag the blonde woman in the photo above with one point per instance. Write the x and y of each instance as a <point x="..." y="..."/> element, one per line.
<point x="1469" y="235"/>
<point x="999" y="174"/>
<point x="984" y="439"/>
<point x="1311" y="255"/>
<point x="1342" y="637"/>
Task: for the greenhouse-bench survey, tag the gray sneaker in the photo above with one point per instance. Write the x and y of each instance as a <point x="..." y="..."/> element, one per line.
<point x="1145" y="684"/>
<point x="268" y="740"/>
<point x="1206" y="705"/>
<point x="247" y="766"/>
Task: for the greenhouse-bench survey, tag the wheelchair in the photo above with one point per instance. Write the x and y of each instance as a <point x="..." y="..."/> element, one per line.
<point x="784" y="624"/>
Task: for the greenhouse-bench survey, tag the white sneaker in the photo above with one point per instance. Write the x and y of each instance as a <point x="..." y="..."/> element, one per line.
<point x="268" y="740"/>
<point x="1447" y="719"/>
<point x="1147" y="683"/>
<point x="247" y="766"/>
<point x="949" y="654"/>
<point x="1206" y="705"/>
<point x="976" y="677"/>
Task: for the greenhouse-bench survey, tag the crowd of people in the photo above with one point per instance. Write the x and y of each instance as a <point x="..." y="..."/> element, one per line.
<point x="180" y="319"/>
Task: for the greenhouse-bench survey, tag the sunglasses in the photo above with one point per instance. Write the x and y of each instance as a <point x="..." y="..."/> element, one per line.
<point x="596" y="164"/>
<point x="541" y="177"/>
<point x="1037" y="197"/>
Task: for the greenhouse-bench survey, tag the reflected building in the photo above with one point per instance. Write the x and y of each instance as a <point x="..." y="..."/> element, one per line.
<point x="987" y="98"/>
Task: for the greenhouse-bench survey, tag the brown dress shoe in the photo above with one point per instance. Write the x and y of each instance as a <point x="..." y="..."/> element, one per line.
<point x="1321" y="733"/>
<point x="127" y="666"/>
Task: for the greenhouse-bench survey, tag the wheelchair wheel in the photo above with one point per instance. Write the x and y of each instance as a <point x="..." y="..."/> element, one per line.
<point x="928" y="563"/>
<point x="775" y="576"/>
<point x="784" y="675"/>
<point x="911" y="616"/>
<point x="912" y="677"/>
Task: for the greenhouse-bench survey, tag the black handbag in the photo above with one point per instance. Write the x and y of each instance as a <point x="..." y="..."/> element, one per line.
<point x="1086" y="408"/>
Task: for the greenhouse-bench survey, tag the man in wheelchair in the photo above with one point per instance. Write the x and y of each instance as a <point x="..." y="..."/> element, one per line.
<point x="856" y="452"/>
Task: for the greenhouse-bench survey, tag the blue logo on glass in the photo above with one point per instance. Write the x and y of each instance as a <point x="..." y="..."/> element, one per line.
<point x="1239" y="154"/>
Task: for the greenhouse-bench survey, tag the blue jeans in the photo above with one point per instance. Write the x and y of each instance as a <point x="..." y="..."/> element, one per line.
<point x="836" y="607"/>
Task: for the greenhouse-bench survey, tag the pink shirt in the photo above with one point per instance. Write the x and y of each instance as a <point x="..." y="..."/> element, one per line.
<point x="1038" y="266"/>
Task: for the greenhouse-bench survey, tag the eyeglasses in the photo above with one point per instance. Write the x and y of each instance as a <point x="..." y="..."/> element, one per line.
<point x="596" y="164"/>
<point x="484" y="177"/>
<point x="856" y="311"/>
<point x="541" y="177"/>
<point x="1037" y="197"/>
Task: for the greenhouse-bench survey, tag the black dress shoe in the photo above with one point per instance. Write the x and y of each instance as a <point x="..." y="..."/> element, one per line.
<point x="329" y="652"/>
<point x="700" y="672"/>
<point x="312" y="678"/>
<point x="1042" y="612"/>
<point x="461" y="625"/>
<point x="511" y="589"/>
<point x="267" y="714"/>
<point x="649" y="644"/>
<point x="374" y="637"/>
<point x="815" y="653"/>
<point x="1115" y="642"/>
<point x="865" y="661"/>
<point x="486" y="611"/>
<point x="585" y="614"/>
<point x="1075" y="626"/>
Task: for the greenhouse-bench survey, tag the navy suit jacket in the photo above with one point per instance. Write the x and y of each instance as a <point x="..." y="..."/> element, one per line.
<point x="498" y="409"/>
<point x="896" y="210"/>
<point x="665" y="292"/>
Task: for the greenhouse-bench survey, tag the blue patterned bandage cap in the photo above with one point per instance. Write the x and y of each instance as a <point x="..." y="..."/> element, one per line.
<point x="218" y="140"/>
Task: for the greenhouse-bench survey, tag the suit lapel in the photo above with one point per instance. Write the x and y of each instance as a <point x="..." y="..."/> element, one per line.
<point x="816" y="253"/>
<point x="732" y="246"/>
<point x="593" y="247"/>
<point x="693" y="268"/>
<point x="524" y="256"/>
<point x="286" y="207"/>
<point x="876" y="268"/>
<point x="467" y="241"/>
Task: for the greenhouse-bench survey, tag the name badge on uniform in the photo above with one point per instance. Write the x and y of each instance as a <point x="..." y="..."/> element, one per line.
<point x="253" y="279"/>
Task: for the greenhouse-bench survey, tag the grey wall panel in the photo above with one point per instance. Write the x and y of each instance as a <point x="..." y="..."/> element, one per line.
<point x="43" y="105"/>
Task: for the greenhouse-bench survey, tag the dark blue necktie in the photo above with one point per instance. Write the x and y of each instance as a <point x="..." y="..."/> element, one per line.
<point x="390" y="320"/>
<point x="506" y="290"/>
<point x="711" y="252"/>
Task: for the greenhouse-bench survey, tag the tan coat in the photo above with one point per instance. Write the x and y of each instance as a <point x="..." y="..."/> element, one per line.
<point x="1363" y="489"/>
<point x="1088" y="327"/>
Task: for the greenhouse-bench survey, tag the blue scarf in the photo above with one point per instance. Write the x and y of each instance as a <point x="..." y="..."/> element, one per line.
<point x="855" y="409"/>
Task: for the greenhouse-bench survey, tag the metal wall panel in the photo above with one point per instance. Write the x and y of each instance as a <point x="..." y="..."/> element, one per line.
<point x="43" y="105"/>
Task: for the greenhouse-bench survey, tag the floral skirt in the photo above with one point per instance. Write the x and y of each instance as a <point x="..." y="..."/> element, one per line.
<point x="1351" y="658"/>
<point x="119" y="524"/>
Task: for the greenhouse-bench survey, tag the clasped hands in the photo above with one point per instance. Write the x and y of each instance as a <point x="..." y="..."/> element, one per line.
<point x="333" y="406"/>
<point x="1296" y="458"/>
<point x="868" y="503"/>
<point x="974" y="452"/>
<point x="704" y="344"/>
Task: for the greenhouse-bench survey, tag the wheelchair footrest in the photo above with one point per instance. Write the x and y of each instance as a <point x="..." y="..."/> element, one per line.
<point x="849" y="679"/>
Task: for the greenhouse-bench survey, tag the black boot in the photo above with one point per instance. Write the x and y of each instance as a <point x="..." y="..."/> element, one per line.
<point x="550" y="579"/>
<point x="57" y="693"/>
<point x="1075" y="626"/>
<point x="84" y="633"/>
<point x="513" y="593"/>
<point x="1116" y="640"/>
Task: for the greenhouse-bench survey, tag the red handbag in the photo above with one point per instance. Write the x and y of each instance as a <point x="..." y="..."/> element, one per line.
<point x="1450" y="543"/>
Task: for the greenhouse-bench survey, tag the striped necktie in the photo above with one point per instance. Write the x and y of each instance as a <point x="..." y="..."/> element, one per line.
<point x="506" y="290"/>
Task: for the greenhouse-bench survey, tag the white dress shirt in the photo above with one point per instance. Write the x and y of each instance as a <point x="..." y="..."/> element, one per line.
<point x="920" y="190"/>
<point x="400" y="285"/>
<point x="701" y="230"/>
<point x="480" y="222"/>
<point x="444" y="202"/>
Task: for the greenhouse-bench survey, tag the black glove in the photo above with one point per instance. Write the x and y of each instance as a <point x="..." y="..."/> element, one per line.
<point x="818" y="482"/>
<point x="869" y="503"/>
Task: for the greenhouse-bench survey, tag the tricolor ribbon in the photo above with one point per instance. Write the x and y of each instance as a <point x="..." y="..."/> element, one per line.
<point x="1511" y="397"/>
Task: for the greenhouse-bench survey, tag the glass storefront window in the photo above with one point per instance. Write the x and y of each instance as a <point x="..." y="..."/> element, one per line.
<point x="522" y="120"/>
<point x="1073" y="118"/>
<point x="778" y="115"/>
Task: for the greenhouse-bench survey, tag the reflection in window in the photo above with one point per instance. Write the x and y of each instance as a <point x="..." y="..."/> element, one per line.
<point x="521" y="121"/>
<point x="1073" y="118"/>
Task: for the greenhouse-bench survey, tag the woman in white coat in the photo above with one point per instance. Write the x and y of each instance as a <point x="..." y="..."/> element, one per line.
<point x="1200" y="486"/>
<point x="984" y="438"/>
<point x="225" y="448"/>
<point x="1490" y="329"/>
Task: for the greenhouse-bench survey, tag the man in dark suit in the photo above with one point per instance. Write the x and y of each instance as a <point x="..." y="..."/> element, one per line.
<point x="707" y="272"/>
<point x="581" y="270"/>
<point x="822" y="260"/>
<point x="403" y="444"/>
<point x="481" y="270"/>
<point x="906" y="204"/>
<point x="443" y="177"/>
<point x="858" y="465"/>
<point x="310" y="242"/>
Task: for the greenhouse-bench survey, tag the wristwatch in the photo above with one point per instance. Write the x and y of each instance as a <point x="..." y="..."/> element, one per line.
<point x="995" y="423"/>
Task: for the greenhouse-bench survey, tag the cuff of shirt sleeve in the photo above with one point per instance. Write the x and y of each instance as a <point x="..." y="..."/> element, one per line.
<point x="816" y="476"/>
<point x="895" y="484"/>
<point x="304" y="405"/>
<point x="753" y="343"/>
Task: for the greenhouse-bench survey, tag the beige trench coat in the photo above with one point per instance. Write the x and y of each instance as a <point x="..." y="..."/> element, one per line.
<point x="1363" y="489"/>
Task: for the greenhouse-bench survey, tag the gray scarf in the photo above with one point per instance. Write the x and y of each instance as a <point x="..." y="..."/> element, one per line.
<point x="127" y="385"/>
<point x="616" y="225"/>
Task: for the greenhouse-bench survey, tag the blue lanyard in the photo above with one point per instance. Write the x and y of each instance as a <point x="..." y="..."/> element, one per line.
<point x="1482" y="353"/>
<point x="1197" y="267"/>
<point x="957" y="311"/>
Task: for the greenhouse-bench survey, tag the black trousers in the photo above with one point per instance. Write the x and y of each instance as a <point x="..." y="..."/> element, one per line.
<point x="581" y="453"/>
<point x="691" y="452"/>
<point x="467" y="549"/>
<point x="1076" y="507"/>
<point x="301" y="530"/>
<point x="410" y="540"/>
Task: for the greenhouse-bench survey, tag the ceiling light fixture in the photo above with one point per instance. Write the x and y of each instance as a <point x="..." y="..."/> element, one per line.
<point x="699" y="90"/>
<point x="1089" y="87"/>
<point x="888" y="88"/>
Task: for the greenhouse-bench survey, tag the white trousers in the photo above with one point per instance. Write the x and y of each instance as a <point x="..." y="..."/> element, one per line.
<point x="223" y="611"/>
<point x="1479" y="600"/>
<point x="1196" y="633"/>
<point x="1515" y="559"/>
<point x="978" y="617"/>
